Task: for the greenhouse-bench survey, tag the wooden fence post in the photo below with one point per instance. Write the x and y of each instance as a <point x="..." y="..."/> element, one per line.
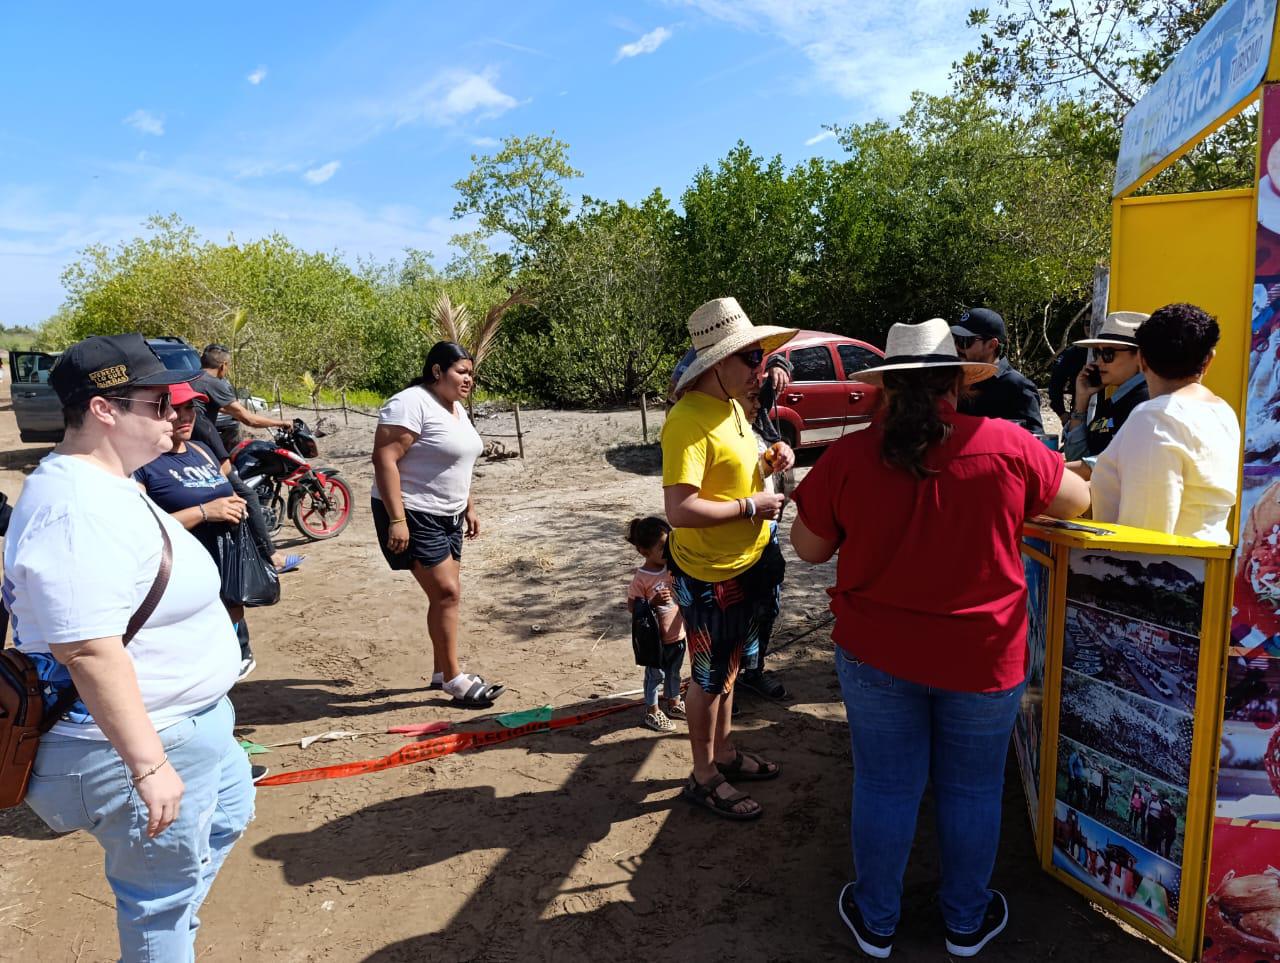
<point x="519" y="433"/>
<point x="279" y="403"/>
<point x="644" y="418"/>
<point x="345" y="420"/>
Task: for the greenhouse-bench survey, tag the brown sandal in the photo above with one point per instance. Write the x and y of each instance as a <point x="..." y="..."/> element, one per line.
<point x="761" y="773"/>
<point x="704" y="796"/>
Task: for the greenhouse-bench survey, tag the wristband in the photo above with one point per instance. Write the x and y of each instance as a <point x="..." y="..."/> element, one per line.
<point x="396" y="521"/>
<point x="751" y="507"/>
<point x="152" y="771"/>
<point x="204" y="516"/>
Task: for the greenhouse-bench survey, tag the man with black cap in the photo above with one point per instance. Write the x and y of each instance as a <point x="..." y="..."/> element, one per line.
<point x="979" y="335"/>
<point x="117" y="606"/>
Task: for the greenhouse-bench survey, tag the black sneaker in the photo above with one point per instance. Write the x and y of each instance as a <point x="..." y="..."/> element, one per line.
<point x="873" y="944"/>
<point x="764" y="684"/>
<point x="993" y="924"/>
<point x="259" y="773"/>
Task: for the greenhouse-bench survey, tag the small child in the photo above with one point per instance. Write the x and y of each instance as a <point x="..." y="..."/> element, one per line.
<point x="652" y="583"/>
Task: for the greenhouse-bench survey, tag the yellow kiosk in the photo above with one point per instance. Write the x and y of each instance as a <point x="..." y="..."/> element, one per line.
<point x="1149" y="741"/>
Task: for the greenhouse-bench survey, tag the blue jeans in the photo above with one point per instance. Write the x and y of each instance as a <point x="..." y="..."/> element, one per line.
<point x="903" y="735"/>
<point x="672" y="663"/>
<point x="158" y="883"/>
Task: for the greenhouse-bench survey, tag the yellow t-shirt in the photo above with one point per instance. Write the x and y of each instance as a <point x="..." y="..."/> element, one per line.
<point x="708" y="443"/>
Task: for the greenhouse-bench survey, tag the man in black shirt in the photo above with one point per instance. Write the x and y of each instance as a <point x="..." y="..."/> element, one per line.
<point x="979" y="335"/>
<point x="212" y="383"/>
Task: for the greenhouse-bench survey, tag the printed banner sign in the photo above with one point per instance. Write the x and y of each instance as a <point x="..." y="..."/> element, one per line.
<point x="1215" y="71"/>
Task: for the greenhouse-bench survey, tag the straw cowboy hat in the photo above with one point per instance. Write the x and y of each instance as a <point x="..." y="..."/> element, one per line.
<point x="926" y="345"/>
<point x="720" y="328"/>
<point x="1118" y="331"/>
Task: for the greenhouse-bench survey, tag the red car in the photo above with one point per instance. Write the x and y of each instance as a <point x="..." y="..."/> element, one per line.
<point x="825" y="399"/>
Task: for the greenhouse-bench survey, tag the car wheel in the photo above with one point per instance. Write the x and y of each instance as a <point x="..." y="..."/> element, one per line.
<point x="788" y="435"/>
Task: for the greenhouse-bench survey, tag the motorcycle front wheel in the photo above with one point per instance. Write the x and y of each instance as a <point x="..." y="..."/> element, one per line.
<point x="321" y="515"/>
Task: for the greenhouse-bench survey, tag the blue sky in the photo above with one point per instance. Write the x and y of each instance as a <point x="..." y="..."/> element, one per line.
<point x="344" y="126"/>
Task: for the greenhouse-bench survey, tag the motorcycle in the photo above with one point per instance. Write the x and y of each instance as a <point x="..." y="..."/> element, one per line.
<point x="318" y="501"/>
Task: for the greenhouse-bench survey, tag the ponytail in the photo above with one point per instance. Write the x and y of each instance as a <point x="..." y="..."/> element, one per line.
<point x="912" y="424"/>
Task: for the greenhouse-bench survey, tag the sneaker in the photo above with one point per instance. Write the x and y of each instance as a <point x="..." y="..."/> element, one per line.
<point x="247" y="665"/>
<point x="676" y="709"/>
<point x="993" y="924"/>
<point x="873" y="944"/>
<point x="259" y="773"/>
<point x="764" y="684"/>
<point x="657" y="720"/>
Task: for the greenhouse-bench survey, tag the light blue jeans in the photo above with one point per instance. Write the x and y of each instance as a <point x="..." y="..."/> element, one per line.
<point x="158" y="883"/>
<point x="904" y="735"/>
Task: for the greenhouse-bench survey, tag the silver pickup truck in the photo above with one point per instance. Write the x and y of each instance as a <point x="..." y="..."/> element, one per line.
<point x="35" y="404"/>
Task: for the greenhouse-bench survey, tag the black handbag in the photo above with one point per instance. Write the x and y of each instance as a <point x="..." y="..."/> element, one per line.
<point x="247" y="578"/>
<point x="646" y="635"/>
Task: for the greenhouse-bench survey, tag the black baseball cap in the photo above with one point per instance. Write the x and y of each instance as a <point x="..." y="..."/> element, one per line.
<point x="980" y="323"/>
<point x="107" y="364"/>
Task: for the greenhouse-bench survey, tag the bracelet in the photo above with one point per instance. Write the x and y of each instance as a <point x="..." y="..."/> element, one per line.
<point x="396" y="521"/>
<point x="204" y="516"/>
<point x="152" y="771"/>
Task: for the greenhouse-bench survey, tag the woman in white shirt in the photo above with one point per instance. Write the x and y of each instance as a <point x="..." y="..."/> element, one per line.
<point x="1173" y="466"/>
<point x="423" y="453"/>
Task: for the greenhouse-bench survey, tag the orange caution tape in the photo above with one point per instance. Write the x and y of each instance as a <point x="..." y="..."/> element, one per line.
<point x="440" y="746"/>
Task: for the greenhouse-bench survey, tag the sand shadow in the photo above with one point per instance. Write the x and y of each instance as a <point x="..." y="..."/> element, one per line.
<point x="261" y="702"/>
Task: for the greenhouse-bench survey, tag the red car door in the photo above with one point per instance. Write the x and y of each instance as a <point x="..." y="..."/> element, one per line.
<point x="862" y="398"/>
<point x="817" y="395"/>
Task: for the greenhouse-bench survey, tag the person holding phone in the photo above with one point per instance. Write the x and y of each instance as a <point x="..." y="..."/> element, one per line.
<point x="1114" y="365"/>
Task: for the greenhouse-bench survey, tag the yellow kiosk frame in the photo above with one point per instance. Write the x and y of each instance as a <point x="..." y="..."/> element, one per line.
<point x="1105" y="628"/>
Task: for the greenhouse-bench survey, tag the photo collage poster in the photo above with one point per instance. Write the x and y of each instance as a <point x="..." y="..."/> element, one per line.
<point x="1131" y="651"/>
<point x="1242" y="922"/>
<point x="1028" y="727"/>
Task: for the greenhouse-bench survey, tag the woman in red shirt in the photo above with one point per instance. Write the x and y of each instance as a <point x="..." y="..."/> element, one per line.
<point x="931" y="623"/>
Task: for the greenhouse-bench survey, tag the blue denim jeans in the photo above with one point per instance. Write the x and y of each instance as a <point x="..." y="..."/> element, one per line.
<point x="158" y="883"/>
<point x="903" y="736"/>
<point x="667" y="675"/>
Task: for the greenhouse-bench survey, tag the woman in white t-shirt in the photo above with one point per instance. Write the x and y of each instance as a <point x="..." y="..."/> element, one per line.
<point x="1173" y="466"/>
<point x="423" y="453"/>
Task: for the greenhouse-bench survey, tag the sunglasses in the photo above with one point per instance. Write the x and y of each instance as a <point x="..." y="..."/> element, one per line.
<point x="1108" y="355"/>
<point x="753" y="358"/>
<point x="164" y="406"/>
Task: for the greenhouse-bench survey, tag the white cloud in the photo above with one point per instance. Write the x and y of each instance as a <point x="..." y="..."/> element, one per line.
<point x="454" y="95"/>
<point x="645" y="45"/>
<point x="485" y="141"/>
<point x="258" y="76"/>
<point x="875" y="52"/>
<point x="318" y="175"/>
<point x="145" y="122"/>
<point x="819" y="138"/>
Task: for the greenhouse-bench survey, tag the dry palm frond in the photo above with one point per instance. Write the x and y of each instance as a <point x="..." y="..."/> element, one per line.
<point x="452" y="321"/>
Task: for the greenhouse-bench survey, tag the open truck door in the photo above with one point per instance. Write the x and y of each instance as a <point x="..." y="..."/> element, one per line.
<point x="35" y="404"/>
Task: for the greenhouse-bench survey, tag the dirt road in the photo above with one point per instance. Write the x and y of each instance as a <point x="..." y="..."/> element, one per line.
<point x="570" y="845"/>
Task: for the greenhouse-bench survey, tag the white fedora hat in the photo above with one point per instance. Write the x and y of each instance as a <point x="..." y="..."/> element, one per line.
<point x="926" y="345"/>
<point x="1119" y="330"/>
<point x="720" y="328"/>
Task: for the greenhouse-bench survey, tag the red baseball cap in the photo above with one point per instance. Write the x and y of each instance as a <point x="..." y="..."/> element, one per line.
<point x="181" y="393"/>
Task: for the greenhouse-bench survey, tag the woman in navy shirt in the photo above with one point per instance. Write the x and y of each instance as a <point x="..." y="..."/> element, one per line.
<point x="188" y="483"/>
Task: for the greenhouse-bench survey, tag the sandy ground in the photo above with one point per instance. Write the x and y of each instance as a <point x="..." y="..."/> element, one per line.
<point x="568" y="845"/>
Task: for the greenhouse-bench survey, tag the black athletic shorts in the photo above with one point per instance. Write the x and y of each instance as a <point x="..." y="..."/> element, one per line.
<point x="432" y="538"/>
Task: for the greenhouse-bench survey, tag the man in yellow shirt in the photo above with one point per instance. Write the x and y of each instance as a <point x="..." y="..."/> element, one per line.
<point x="719" y="559"/>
